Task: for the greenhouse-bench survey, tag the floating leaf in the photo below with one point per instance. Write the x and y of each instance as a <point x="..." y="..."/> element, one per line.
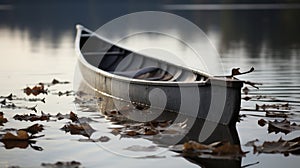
<point x="9" y="97"/>
<point x="10" y="144"/>
<point x="276" y="114"/>
<point x="216" y="149"/>
<point x="21" y="136"/>
<point x="13" y="106"/>
<point x="36" y="90"/>
<point x="281" y="146"/>
<point x="34" y="129"/>
<point x="73" y="117"/>
<point x="54" y="82"/>
<point x="245" y="90"/>
<point x="72" y="164"/>
<point x="2" y="119"/>
<point x="284" y="126"/>
<point x="262" y="122"/>
<point x="32" y="117"/>
<point x="236" y="71"/>
<point x="264" y="107"/>
<point x="79" y="129"/>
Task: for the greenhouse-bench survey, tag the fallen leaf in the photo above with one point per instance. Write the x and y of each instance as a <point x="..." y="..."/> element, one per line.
<point x="73" y="117"/>
<point x="13" y="106"/>
<point x="228" y="149"/>
<point x="34" y="129"/>
<point x="21" y="135"/>
<point x="245" y="90"/>
<point x="236" y="71"/>
<point x="79" y="129"/>
<point x="264" y="107"/>
<point x="251" y="143"/>
<point x="216" y="149"/>
<point x="2" y="119"/>
<point x="276" y="114"/>
<point x="262" y="122"/>
<point x="10" y="144"/>
<point x="32" y="117"/>
<point x="9" y="97"/>
<point x="72" y="164"/>
<point x="281" y="146"/>
<point x="284" y="126"/>
<point x="36" y="90"/>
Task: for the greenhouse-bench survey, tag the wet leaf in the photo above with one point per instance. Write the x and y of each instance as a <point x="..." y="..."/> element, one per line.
<point x="251" y="143"/>
<point x="245" y="90"/>
<point x="216" y="149"/>
<point x="9" y="97"/>
<point x="276" y="114"/>
<point x="284" y="126"/>
<point x="262" y="122"/>
<point x="10" y="144"/>
<point x="236" y="71"/>
<point x="36" y="90"/>
<point x="72" y="164"/>
<point x="264" y="107"/>
<point x="73" y="117"/>
<point x="53" y="82"/>
<point x="228" y="149"/>
<point x="32" y="117"/>
<point x="34" y="129"/>
<point x="21" y="136"/>
<point x="281" y="146"/>
<point x="2" y="119"/>
<point x="79" y="129"/>
<point x="13" y="106"/>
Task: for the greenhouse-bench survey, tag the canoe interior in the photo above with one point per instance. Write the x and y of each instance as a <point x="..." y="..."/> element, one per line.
<point x="119" y="61"/>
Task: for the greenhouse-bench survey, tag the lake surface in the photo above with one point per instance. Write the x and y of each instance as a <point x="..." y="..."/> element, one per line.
<point x="37" y="45"/>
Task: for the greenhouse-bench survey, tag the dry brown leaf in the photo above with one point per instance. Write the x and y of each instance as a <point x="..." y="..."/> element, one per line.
<point x="21" y="135"/>
<point x="192" y="145"/>
<point x="79" y="129"/>
<point x="2" y="119"/>
<point x="262" y="122"/>
<point x="32" y="117"/>
<point x="228" y="149"/>
<point x="73" y="117"/>
<point x="36" y="90"/>
<point x="34" y="129"/>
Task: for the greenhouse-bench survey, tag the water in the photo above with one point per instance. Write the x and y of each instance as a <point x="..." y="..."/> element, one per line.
<point x="37" y="44"/>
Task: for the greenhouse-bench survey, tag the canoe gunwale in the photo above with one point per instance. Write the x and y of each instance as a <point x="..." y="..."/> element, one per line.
<point x="210" y="79"/>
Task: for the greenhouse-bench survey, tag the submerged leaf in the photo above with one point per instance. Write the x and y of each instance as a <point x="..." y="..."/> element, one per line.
<point x="79" y="129"/>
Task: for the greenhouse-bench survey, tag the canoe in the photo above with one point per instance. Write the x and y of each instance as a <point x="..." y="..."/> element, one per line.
<point x="149" y="82"/>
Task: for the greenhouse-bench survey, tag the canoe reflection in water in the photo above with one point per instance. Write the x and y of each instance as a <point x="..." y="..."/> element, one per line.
<point x="166" y="137"/>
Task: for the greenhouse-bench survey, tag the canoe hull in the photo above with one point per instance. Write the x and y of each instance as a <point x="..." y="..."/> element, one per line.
<point x="215" y="102"/>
